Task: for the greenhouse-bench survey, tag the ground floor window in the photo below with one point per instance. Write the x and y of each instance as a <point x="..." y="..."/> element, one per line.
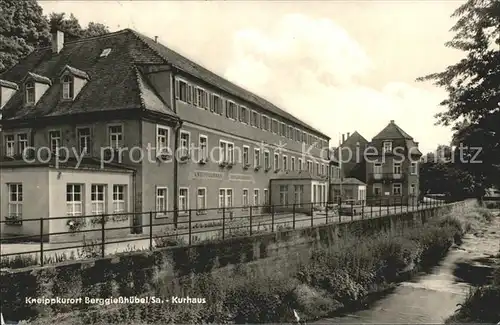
<point x="201" y="201"/>
<point x="183" y="199"/>
<point x="396" y="189"/>
<point x="118" y="198"/>
<point x="413" y="189"/>
<point x="266" y="196"/>
<point x="98" y="199"/>
<point x="74" y="199"/>
<point x="15" y="201"/>
<point x="225" y="198"/>
<point x="256" y="198"/>
<point x="161" y="200"/>
<point x="284" y="195"/>
<point x="244" y="200"/>
<point x="299" y="195"/>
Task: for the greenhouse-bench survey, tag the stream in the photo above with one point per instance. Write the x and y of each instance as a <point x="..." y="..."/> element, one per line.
<point x="433" y="297"/>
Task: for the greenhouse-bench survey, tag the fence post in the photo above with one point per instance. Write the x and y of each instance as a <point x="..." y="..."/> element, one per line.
<point x="190" y="228"/>
<point x="388" y="212"/>
<point x="103" y="235"/>
<point x="380" y="207"/>
<point x="312" y="214"/>
<point x="362" y="211"/>
<point x="326" y="213"/>
<point x="401" y="204"/>
<point x="151" y="230"/>
<point x="272" y="218"/>
<point x="352" y="210"/>
<point x="340" y="209"/>
<point x="223" y="221"/>
<point x="251" y="226"/>
<point x="41" y="241"/>
<point x="293" y="216"/>
<point x="371" y="209"/>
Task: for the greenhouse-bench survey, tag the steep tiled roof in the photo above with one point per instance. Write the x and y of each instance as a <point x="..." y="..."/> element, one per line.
<point x="392" y="131"/>
<point x="208" y="76"/>
<point x="114" y="83"/>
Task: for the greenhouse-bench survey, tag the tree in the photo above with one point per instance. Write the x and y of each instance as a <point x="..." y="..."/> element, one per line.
<point x="72" y="26"/>
<point x="441" y="174"/>
<point x="22" y="28"/>
<point x="472" y="84"/>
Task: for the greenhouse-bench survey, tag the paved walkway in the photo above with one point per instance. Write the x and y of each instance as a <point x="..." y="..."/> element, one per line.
<point x="53" y="252"/>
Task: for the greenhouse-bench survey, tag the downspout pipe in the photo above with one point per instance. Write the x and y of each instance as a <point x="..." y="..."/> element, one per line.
<point x="177" y="130"/>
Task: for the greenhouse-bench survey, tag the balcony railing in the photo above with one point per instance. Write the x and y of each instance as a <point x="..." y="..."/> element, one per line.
<point x="385" y="177"/>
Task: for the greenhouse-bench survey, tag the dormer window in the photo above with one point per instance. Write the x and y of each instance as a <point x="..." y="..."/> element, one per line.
<point x="30" y="92"/>
<point x="35" y="87"/>
<point x="67" y="90"/>
<point x="72" y="81"/>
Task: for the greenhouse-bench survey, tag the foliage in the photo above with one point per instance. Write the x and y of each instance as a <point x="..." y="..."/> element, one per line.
<point x="472" y="106"/>
<point x="441" y="174"/>
<point x="72" y="26"/>
<point x="339" y="276"/>
<point x="23" y="27"/>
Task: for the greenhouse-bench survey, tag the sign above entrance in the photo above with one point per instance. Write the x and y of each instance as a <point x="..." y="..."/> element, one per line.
<point x="202" y="174"/>
<point x="241" y="178"/>
<point x="208" y="175"/>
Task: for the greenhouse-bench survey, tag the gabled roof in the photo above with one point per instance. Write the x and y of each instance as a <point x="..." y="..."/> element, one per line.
<point x="37" y="78"/>
<point x="196" y="70"/>
<point x="8" y="84"/>
<point x="350" y="142"/>
<point x="115" y="84"/>
<point x="149" y="99"/>
<point x="75" y="72"/>
<point x="392" y="131"/>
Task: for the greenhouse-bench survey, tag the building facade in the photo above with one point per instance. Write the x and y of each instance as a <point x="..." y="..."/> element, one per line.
<point x="120" y="123"/>
<point x="393" y="167"/>
<point x="384" y="171"/>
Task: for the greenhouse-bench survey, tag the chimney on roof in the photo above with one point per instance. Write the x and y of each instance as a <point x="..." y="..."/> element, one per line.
<point x="343" y="138"/>
<point x="156" y="39"/>
<point x="348" y="135"/>
<point x="416" y="143"/>
<point x="392" y="121"/>
<point x="57" y="41"/>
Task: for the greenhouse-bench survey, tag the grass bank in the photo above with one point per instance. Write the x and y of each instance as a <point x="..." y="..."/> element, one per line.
<point x="481" y="303"/>
<point x="317" y="285"/>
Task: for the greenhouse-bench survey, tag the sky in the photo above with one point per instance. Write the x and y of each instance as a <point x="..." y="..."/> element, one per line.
<point x="341" y="66"/>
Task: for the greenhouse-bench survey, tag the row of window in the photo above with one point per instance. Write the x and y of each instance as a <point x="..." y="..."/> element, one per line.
<point x="227" y="154"/>
<point x="397" y="189"/>
<point x="15" y="144"/>
<point x="75" y="199"/>
<point x="199" y="97"/>
<point x="396" y="168"/>
<point x="225" y="198"/>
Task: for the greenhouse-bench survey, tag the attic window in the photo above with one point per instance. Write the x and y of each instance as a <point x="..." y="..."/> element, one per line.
<point x="30" y="92"/>
<point x="67" y="84"/>
<point x="105" y="53"/>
